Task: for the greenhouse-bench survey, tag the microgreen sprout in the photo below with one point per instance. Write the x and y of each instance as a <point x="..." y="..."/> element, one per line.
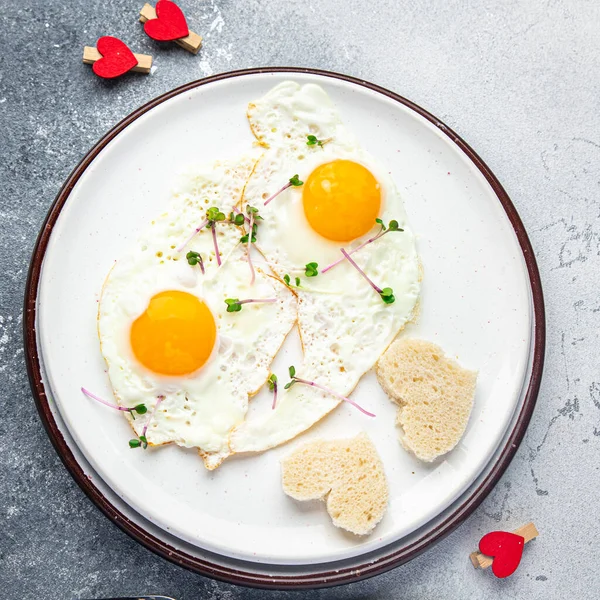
<point x="237" y="219"/>
<point x="252" y="224"/>
<point x="393" y="226"/>
<point x="294" y="380"/>
<point x="293" y="181"/>
<point x="251" y="210"/>
<point x="272" y="381"/>
<point x="137" y="442"/>
<point x="235" y="305"/>
<point x="250" y="237"/>
<point x="387" y="294"/>
<point x="312" y="140"/>
<point x="244" y="238"/>
<point x="142" y="440"/>
<point x="213" y="215"/>
<point x="194" y="259"/>
<point x="139" y="409"/>
<point x="312" y="269"/>
<point x="288" y="281"/>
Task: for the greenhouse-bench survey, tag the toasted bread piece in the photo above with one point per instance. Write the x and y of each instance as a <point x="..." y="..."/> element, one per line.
<point x="434" y="392"/>
<point x="346" y="473"/>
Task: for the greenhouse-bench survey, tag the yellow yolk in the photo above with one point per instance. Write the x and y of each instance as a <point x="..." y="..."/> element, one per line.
<point x="175" y="335"/>
<point x="341" y="200"/>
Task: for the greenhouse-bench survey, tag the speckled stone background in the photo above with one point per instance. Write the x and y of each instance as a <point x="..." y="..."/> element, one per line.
<point x="519" y="80"/>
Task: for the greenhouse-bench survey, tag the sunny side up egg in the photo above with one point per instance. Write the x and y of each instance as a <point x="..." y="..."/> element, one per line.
<point x="344" y="323"/>
<point x="164" y="327"/>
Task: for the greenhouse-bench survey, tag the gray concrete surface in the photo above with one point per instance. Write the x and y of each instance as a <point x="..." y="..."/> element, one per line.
<point x="519" y="80"/>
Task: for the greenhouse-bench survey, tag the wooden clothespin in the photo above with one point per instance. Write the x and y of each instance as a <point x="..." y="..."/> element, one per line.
<point x="503" y="550"/>
<point x="167" y="23"/>
<point x="111" y="58"/>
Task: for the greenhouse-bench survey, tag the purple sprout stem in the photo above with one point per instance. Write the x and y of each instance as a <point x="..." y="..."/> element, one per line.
<point x="214" y="235"/>
<point x="285" y="187"/>
<point x="158" y="401"/>
<point x="274" y="395"/>
<point x="252" y="274"/>
<point x="195" y="232"/>
<point x="333" y="393"/>
<point x="377" y="289"/>
<point x="252" y="300"/>
<point x="105" y="402"/>
<point x="337" y="262"/>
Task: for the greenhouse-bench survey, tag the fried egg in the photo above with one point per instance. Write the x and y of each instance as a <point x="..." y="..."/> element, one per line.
<point x="344" y="323"/>
<point x="163" y="324"/>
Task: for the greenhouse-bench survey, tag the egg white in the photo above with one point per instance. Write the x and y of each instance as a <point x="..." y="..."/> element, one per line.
<point x="199" y="410"/>
<point x="344" y="324"/>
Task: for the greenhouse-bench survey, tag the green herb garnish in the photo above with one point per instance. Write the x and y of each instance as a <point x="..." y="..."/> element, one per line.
<point x="294" y="380"/>
<point x="293" y="181"/>
<point x="288" y="281"/>
<point x="387" y="294"/>
<point x="194" y="258"/>
<point x="311" y="269"/>
<point x="272" y="381"/>
<point x="139" y="442"/>
<point x="312" y="140"/>
<point x="235" y="305"/>
<point x="292" y="372"/>
<point x="244" y="238"/>
<point x="236" y="219"/>
<point x="214" y="215"/>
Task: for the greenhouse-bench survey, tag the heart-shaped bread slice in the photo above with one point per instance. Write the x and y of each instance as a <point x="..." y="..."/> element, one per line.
<point x="170" y="23"/>
<point x="346" y="473"/>
<point x="116" y="59"/>
<point x="506" y="548"/>
<point x="434" y="392"/>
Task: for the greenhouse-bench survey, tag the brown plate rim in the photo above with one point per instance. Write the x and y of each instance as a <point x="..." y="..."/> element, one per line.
<point x="326" y="576"/>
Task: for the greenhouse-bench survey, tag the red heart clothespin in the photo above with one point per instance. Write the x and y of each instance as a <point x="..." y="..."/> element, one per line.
<point x="503" y="550"/>
<point x="112" y="58"/>
<point x="167" y="23"/>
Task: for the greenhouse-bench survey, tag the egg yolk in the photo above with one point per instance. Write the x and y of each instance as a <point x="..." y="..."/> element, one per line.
<point x="175" y="335"/>
<point x="341" y="200"/>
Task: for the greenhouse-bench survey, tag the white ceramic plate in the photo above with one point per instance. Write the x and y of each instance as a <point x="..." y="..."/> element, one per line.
<point x="476" y="303"/>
